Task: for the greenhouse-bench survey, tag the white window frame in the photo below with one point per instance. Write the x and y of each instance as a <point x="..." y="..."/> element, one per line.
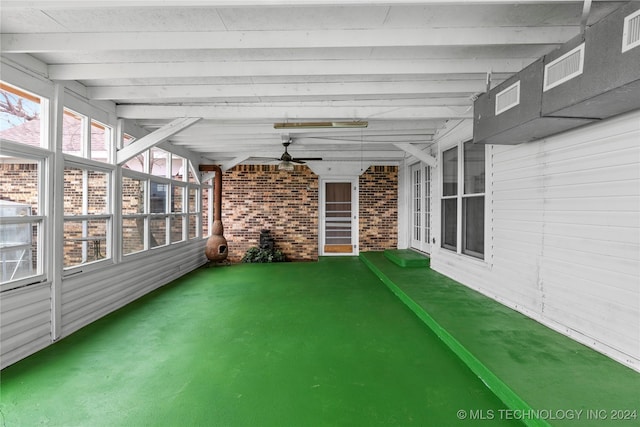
<point x="208" y="187"/>
<point x="144" y="179"/>
<point x="168" y="214"/>
<point x="92" y="165"/>
<point x="44" y="157"/>
<point x="182" y="213"/>
<point x="459" y="196"/>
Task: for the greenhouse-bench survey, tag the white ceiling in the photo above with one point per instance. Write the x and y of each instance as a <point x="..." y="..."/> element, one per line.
<point x="410" y="68"/>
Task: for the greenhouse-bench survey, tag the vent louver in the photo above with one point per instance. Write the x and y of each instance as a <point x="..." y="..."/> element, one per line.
<point x="631" y="32"/>
<point x="508" y="98"/>
<point x="564" y="68"/>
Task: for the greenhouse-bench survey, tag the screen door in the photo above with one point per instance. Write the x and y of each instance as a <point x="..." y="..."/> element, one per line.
<point x="339" y="218"/>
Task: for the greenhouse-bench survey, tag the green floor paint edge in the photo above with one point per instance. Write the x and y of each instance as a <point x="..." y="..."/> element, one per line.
<point x="511" y="399"/>
<point x="406" y="258"/>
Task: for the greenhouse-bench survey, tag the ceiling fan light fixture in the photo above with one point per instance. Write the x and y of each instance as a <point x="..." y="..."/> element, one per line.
<point x="285" y="165"/>
<point x="315" y="125"/>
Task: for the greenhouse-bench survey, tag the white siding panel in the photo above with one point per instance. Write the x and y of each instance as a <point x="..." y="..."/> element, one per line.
<point x="615" y="173"/>
<point x="25" y="322"/>
<point x="593" y="218"/>
<point x="606" y="250"/>
<point x="566" y="235"/>
<point x="613" y="234"/>
<point x="92" y="295"/>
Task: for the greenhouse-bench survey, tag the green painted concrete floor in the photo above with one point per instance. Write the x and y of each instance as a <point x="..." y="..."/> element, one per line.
<point x="291" y="344"/>
<point x="568" y="383"/>
<point x="315" y="344"/>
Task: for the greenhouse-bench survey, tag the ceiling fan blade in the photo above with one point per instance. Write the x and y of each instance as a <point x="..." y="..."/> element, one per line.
<point x="307" y="158"/>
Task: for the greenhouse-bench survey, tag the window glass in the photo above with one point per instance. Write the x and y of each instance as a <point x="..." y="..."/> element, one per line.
<point x="19" y="250"/>
<point x="132" y="195"/>
<point x="158" y="231"/>
<point x="449" y="223"/>
<point x="193" y="199"/>
<point x="133" y="209"/>
<point x="85" y="191"/>
<point x="73" y="191"/>
<point x="136" y="163"/>
<point x="177" y="167"/>
<point x="84" y="241"/>
<point x="473" y="226"/>
<point x="207" y="192"/>
<point x="192" y="177"/>
<point x="21" y="118"/>
<point x="97" y="184"/>
<point x="100" y="142"/>
<point x="176" y="198"/>
<point x="158" y="162"/>
<point x="450" y="172"/>
<point x="193" y="226"/>
<point x="19" y="183"/>
<point x="85" y="194"/>
<point x="158" y="197"/>
<point x="177" y="233"/>
<point x="473" y="168"/>
<point x="73" y="133"/>
<point x="21" y="218"/>
<point x="133" y="234"/>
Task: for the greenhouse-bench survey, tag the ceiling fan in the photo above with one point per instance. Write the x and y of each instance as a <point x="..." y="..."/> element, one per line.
<point x="287" y="161"/>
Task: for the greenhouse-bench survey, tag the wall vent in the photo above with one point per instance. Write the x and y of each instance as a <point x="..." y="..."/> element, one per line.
<point x="564" y="68"/>
<point x="508" y="98"/>
<point x="631" y="32"/>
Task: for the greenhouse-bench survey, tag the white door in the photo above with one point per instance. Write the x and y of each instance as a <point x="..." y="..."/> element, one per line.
<point x="339" y="217"/>
<point x="421" y="207"/>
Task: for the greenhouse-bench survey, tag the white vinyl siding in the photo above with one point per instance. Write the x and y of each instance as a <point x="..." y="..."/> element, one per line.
<point x="25" y="322"/>
<point x="88" y="297"/>
<point x="566" y="235"/>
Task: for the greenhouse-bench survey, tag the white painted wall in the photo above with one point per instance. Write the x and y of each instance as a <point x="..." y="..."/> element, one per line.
<point x="564" y="242"/>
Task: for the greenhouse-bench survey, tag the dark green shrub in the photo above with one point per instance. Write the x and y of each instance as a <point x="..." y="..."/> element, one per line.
<point x="257" y="255"/>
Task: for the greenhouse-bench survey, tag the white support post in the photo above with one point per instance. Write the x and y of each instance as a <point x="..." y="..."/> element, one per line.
<point x="56" y="198"/>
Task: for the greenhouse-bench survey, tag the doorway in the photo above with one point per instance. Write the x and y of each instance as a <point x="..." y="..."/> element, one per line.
<point x="421" y="207"/>
<point x="339" y="217"/>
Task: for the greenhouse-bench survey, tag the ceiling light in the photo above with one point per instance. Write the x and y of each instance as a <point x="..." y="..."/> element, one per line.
<point x="306" y="125"/>
<point x="285" y="166"/>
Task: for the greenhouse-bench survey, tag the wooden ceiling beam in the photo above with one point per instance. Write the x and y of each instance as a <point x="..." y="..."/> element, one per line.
<point x="293" y="112"/>
<point x="284" y="39"/>
<point x="99" y="71"/>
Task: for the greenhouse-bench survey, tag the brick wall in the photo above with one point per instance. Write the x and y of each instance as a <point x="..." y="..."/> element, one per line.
<point x="257" y="197"/>
<point x="379" y="208"/>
